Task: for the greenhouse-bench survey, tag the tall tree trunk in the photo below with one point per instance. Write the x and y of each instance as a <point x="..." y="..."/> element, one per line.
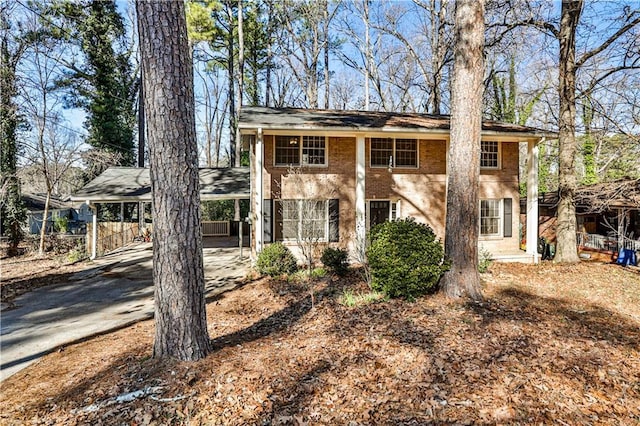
<point x="178" y="274"/>
<point x="232" y="83"/>
<point x="236" y="204"/>
<point x="45" y="221"/>
<point x="461" y="231"/>
<point x="566" y="231"/>
<point x="367" y="41"/>
<point x="325" y="30"/>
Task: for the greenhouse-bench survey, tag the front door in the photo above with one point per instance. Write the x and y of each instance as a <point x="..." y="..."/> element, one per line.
<point x="378" y="212"/>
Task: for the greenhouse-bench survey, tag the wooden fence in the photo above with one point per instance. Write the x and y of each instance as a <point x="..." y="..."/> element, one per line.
<point x="112" y="235"/>
<point x="216" y="228"/>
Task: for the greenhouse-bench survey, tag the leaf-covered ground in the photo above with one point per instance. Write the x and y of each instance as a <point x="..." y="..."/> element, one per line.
<point x="551" y="344"/>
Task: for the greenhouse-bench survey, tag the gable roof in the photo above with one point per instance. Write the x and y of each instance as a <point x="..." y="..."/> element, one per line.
<point x="367" y="121"/>
<point x="128" y="184"/>
<point x="35" y="202"/>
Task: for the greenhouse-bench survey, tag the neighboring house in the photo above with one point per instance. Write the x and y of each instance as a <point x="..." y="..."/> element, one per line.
<point x="368" y="167"/>
<point x="607" y="216"/>
<point x="35" y="203"/>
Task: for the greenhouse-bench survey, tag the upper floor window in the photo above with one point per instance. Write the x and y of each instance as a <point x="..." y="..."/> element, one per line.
<point x="297" y="150"/>
<point x="389" y="152"/>
<point x="489" y="154"/>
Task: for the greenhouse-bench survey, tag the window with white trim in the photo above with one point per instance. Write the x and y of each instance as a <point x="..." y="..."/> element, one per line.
<point x="304" y="219"/>
<point x="390" y="152"/>
<point x="300" y="150"/>
<point x="490" y="217"/>
<point x="489" y="154"/>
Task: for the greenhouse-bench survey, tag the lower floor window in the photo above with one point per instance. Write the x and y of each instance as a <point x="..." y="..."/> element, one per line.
<point x="489" y="217"/>
<point x="304" y="219"/>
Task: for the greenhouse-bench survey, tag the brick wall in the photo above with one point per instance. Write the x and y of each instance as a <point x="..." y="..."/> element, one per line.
<point x="421" y="191"/>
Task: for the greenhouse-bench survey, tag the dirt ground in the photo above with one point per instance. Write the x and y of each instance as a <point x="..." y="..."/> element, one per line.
<point x="550" y="344"/>
<point x="27" y="272"/>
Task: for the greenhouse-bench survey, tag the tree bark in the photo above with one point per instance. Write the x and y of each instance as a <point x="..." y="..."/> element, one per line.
<point x="181" y="325"/>
<point x="568" y="149"/>
<point x="461" y="229"/>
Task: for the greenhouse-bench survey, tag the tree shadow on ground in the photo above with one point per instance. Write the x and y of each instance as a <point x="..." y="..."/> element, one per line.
<point x="569" y="320"/>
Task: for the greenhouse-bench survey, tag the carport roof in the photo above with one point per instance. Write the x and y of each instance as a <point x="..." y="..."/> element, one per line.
<point x="125" y="184"/>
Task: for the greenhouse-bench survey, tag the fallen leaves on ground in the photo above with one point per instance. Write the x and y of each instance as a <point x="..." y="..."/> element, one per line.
<point x="22" y="274"/>
<point x="550" y="344"/>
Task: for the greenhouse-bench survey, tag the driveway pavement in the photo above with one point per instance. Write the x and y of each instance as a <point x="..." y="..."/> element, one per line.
<point x="114" y="291"/>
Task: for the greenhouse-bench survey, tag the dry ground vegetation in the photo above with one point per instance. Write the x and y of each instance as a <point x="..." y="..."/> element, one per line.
<point x="28" y="271"/>
<point x="551" y="344"/>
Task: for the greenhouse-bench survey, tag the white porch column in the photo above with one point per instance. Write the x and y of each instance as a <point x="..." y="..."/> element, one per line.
<point x="621" y="226"/>
<point x="532" y="199"/>
<point x="258" y="223"/>
<point x="361" y="221"/>
<point x="94" y="230"/>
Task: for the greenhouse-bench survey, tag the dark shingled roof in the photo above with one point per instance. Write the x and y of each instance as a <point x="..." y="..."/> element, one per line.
<point x="36" y="202"/>
<point x="301" y="119"/>
<point x="133" y="184"/>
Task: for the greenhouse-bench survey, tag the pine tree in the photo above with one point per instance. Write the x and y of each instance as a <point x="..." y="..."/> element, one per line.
<point x="104" y="85"/>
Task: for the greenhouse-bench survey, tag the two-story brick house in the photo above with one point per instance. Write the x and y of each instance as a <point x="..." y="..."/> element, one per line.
<point x="354" y="169"/>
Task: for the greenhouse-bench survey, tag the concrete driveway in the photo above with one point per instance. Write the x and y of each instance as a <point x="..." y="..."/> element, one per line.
<point x="114" y="291"/>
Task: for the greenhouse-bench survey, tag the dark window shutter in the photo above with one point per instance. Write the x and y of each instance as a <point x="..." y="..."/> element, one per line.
<point x="277" y="220"/>
<point x="508" y="212"/>
<point x="334" y="220"/>
<point x="267" y="211"/>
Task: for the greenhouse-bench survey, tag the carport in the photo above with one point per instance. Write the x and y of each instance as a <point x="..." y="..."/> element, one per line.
<point x="132" y="185"/>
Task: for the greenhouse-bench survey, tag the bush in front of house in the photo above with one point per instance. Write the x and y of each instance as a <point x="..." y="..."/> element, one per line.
<point x="405" y="258"/>
<point x="336" y="260"/>
<point x="275" y="260"/>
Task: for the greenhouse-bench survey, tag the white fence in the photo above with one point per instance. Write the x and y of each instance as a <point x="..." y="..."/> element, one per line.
<point x="216" y="228"/>
<point x="604" y="242"/>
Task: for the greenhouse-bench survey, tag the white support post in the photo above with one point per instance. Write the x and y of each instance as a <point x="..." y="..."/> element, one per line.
<point x="258" y="220"/>
<point x="361" y="220"/>
<point x="94" y="230"/>
<point x="532" y="199"/>
<point x="621" y="227"/>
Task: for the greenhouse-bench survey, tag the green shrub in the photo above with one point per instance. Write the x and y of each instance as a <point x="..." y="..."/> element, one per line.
<point x="61" y="224"/>
<point x="336" y="260"/>
<point x="484" y="260"/>
<point x="405" y="258"/>
<point x="276" y="259"/>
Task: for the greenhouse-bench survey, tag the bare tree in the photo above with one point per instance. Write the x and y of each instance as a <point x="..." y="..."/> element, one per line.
<point x="53" y="148"/>
<point x="463" y="164"/>
<point x="178" y="273"/>
<point x="620" y="43"/>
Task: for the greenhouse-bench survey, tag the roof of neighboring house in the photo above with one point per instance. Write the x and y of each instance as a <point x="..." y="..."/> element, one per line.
<point x="124" y="184"/>
<point x="599" y="197"/>
<point x="367" y="121"/>
<point x="35" y="202"/>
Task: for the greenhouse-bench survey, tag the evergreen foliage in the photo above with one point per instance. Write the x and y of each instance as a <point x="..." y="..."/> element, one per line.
<point x="12" y="211"/>
<point x="405" y="258"/>
<point x="335" y="259"/>
<point x="276" y="259"/>
<point x="105" y="84"/>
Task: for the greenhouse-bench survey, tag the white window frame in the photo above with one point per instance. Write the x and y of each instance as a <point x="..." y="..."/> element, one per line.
<point x="499" y="155"/>
<point x="392" y="163"/>
<point x="299" y="202"/>
<point x="301" y="149"/>
<point x="395" y="210"/>
<point x="500" y="218"/>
